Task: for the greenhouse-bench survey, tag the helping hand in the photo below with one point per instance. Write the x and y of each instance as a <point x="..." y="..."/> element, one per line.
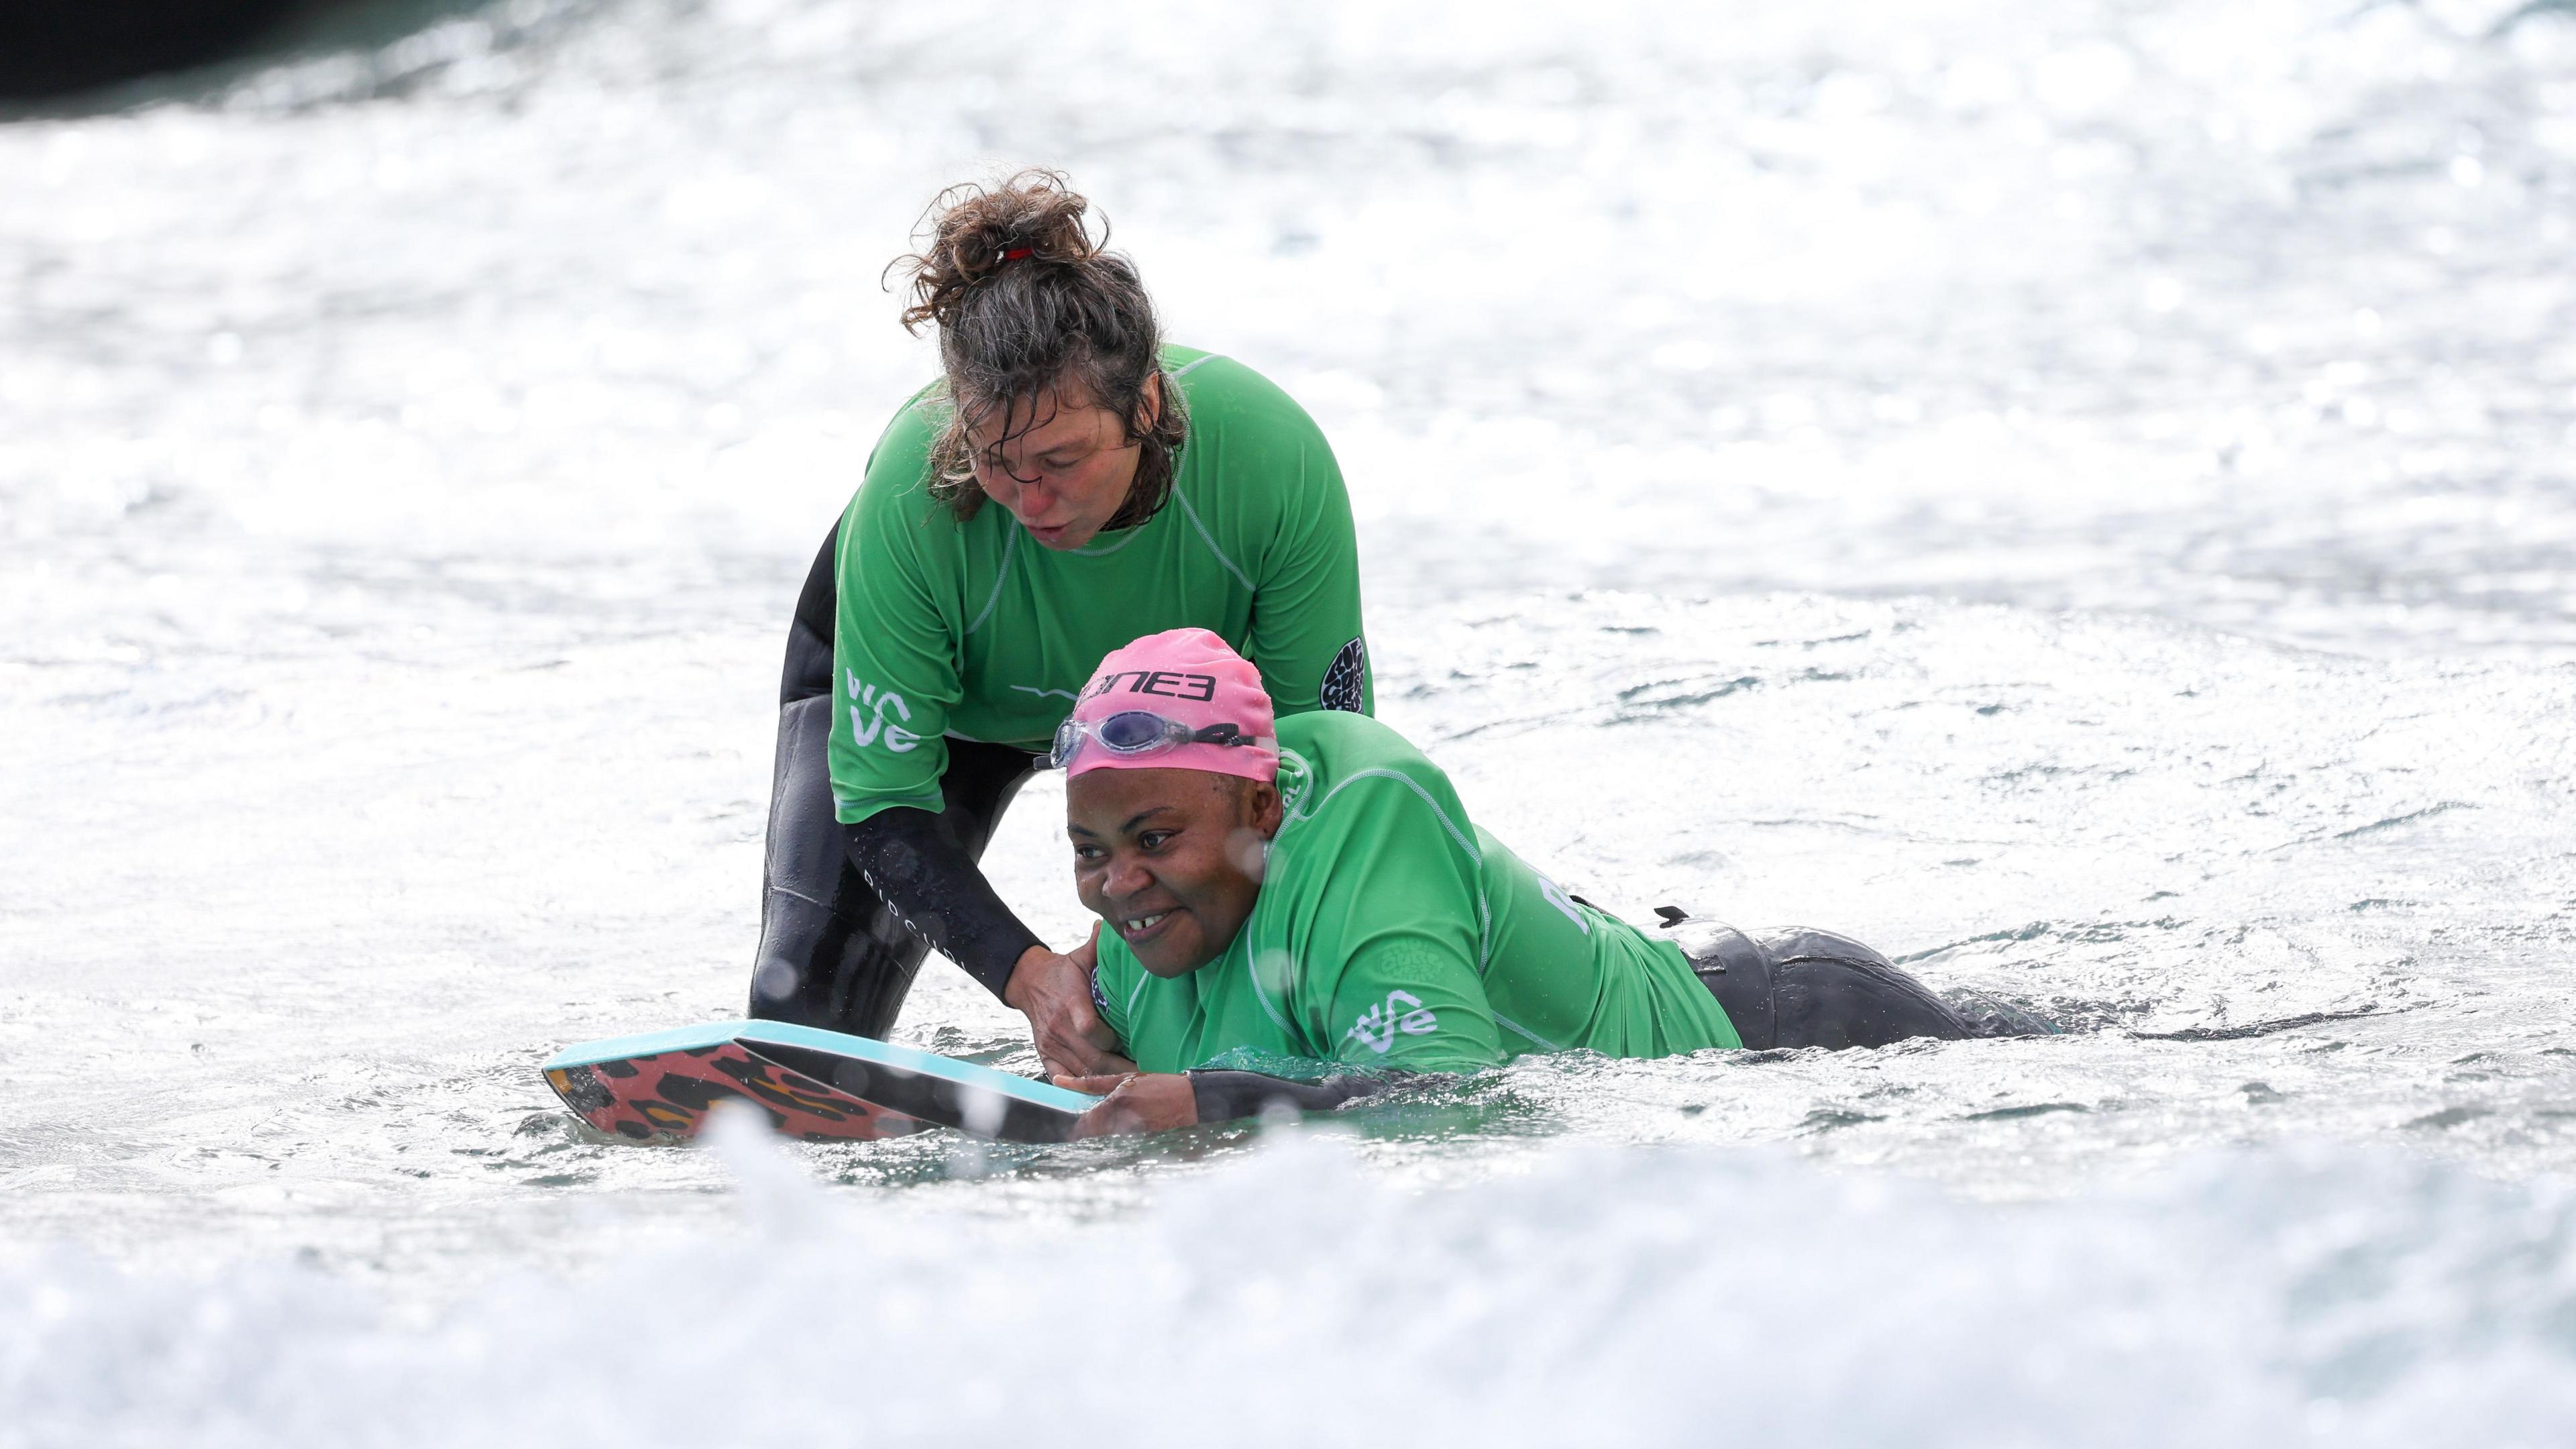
<point x="1054" y="992"/>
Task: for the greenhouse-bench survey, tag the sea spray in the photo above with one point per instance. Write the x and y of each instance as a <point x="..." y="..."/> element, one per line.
<point x="1293" y="1295"/>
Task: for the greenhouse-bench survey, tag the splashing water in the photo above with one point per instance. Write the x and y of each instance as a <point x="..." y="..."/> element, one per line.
<point x="2074" y="495"/>
<point x="1641" y="1297"/>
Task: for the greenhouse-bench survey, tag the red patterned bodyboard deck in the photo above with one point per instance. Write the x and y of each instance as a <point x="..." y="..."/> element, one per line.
<point x="666" y="1095"/>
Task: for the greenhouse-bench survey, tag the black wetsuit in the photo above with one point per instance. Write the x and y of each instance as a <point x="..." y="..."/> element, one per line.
<point x="848" y="911"/>
<point x="1794" y="987"/>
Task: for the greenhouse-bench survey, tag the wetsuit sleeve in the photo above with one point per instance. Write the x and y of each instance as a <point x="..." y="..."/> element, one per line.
<point x="1306" y="636"/>
<point x="894" y="655"/>
<point x="1225" y="1096"/>
<point x="939" y="893"/>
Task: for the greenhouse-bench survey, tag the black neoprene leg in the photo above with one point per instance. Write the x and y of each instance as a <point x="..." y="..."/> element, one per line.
<point x="1800" y="988"/>
<point x="831" y="954"/>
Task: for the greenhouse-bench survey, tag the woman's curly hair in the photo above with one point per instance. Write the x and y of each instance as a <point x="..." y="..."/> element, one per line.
<point x="1027" y="300"/>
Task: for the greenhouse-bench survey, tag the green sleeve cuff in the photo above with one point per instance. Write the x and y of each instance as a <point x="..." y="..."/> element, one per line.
<point x="851" y="812"/>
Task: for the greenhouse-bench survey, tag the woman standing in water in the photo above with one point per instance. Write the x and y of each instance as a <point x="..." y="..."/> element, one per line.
<point x="1070" y="483"/>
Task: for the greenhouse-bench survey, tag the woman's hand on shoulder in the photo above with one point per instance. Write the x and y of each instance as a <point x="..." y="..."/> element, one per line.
<point x="1054" y="992"/>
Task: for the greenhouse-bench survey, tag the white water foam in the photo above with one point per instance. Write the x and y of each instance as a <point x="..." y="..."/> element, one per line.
<point x="1292" y="1298"/>
<point x="2074" y="493"/>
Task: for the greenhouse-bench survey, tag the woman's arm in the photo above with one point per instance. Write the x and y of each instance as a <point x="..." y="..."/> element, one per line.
<point x="1306" y="635"/>
<point x="918" y="867"/>
<point x="1222" y="1096"/>
<point x="924" y="874"/>
<point x="894" y="653"/>
<point x="1161" y="1101"/>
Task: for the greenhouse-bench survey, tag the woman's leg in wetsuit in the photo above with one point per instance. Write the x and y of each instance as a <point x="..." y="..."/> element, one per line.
<point x="1799" y="988"/>
<point x="831" y="954"/>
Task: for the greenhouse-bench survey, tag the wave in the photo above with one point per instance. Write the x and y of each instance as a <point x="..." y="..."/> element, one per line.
<point x="1294" y="1296"/>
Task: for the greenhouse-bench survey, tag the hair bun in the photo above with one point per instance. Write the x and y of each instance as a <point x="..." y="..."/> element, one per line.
<point x="1029" y="301"/>
<point x="973" y="230"/>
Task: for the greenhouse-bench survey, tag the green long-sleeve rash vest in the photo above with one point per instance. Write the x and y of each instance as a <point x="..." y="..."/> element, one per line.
<point x="973" y="630"/>
<point x="1391" y="932"/>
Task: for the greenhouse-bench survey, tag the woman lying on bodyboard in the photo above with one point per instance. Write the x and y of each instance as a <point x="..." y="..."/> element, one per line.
<point x="1310" y="888"/>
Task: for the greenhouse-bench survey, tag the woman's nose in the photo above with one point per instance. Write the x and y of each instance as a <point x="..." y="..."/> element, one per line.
<point x="1128" y="878"/>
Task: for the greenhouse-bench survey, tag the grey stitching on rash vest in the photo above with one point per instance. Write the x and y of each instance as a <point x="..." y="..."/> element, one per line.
<point x="1010" y="550"/>
<point x="1209" y="538"/>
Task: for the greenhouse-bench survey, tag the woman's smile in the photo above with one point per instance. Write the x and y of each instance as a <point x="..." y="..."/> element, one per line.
<point x="1145" y="927"/>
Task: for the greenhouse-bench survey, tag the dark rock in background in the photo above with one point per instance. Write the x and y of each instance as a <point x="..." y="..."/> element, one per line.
<point x="59" y="47"/>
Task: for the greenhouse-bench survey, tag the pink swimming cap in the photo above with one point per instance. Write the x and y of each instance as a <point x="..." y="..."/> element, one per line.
<point x="1193" y="678"/>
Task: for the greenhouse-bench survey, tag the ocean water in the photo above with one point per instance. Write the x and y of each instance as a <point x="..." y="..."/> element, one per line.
<point x="2077" y="495"/>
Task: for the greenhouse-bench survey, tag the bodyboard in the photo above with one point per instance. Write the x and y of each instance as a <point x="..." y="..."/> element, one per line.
<point x="814" y="1084"/>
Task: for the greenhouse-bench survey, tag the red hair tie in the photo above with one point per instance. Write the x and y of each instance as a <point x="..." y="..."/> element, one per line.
<point x="1015" y="253"/>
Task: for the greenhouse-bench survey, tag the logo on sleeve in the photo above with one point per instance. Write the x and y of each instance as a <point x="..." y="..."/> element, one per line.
<point x="868" y="722"/>
<point x="1557" y="897"/>
<point x="1346" y="681"/>
<point x="1401" y="1012"/>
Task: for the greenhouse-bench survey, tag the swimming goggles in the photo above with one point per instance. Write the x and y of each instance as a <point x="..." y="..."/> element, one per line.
<point x="1135" y="734"/>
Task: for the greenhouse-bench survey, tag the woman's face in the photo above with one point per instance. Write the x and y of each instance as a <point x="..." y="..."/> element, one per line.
<point x="1171" y="860"/>
<point x="1065" y="477"/>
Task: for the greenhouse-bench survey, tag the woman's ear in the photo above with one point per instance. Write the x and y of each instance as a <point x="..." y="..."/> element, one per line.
<point x="1149" y="404"/>
<point x="1266" y="809"/>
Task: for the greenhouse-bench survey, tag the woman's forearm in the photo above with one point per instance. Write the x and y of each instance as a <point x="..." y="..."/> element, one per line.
<point x="935" y="888"/>
<point x="1223" y="1096"/>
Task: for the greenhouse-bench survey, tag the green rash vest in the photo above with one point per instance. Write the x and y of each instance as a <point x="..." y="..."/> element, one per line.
<point x="1391" y="932"/>
<point x="974" y="630"/>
